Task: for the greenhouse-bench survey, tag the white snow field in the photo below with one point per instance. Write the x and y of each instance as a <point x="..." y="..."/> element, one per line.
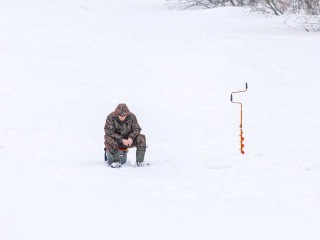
<point x="66" y="64"/>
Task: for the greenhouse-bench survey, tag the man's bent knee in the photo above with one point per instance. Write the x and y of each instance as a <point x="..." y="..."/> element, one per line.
<point x="111" y="145"/>
<point x="140" y="140"/>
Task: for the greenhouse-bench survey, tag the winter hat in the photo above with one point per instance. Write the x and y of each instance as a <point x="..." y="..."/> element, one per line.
<point x="122" y="110"/>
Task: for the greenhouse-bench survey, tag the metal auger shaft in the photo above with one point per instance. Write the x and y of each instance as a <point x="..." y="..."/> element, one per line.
<point x="241" y="131"/>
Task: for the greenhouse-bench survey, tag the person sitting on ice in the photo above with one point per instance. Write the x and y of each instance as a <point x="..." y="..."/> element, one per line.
<point x="122" y="131"/>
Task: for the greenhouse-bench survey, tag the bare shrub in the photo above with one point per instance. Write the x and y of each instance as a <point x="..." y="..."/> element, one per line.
<point x="277" y="7"/>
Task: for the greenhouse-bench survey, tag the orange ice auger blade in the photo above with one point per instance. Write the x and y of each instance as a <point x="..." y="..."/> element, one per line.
<point x="241" y="132"/>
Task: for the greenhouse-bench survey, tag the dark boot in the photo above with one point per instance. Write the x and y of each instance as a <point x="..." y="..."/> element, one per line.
<point x="141" y="151"/>
<point x="116" y="160"/>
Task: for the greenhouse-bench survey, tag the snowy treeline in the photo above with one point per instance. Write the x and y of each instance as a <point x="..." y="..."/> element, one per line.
<point x="278" y="7"/>
<point x="305" y="13"/>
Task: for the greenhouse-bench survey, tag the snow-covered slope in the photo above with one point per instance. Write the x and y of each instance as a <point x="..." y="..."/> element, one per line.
<point x="66" y="64"/>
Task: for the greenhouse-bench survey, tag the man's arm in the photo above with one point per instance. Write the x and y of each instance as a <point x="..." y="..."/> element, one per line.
<point x="136" y="129"/>
<point x="109" y="129"/>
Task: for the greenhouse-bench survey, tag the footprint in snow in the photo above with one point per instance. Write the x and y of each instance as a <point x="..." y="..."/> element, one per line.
<point x="222" y="167"/>
<point x="310" y="168"/>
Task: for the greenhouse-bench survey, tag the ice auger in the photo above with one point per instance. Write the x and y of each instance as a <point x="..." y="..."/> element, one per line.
<point x="241" y="132"/>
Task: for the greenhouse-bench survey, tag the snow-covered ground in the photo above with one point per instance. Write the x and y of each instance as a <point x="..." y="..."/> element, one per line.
<point x="66" y="64"/>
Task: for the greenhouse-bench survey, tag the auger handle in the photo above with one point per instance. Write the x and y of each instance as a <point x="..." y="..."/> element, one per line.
<point x="241" y="90"/>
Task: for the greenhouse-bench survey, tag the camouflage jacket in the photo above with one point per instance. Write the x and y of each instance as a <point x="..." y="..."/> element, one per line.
<point x="119" y="130"/>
